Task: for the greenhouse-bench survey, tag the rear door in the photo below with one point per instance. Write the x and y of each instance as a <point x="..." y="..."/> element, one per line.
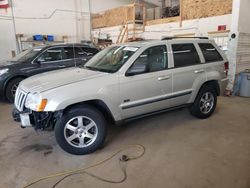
<point x="76" y="56"/>
<point x="147" y="92"/>
<point x="188" y="70"/>
<point x="69" y="57"/>
<point x="89" y="53"/>
<point x="214" y="60"/>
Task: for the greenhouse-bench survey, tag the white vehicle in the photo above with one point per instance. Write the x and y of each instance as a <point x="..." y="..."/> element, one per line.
<point x="121" y="83"/>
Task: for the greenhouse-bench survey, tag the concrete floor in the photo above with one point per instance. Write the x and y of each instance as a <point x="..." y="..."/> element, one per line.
<point x="181" y="151"/>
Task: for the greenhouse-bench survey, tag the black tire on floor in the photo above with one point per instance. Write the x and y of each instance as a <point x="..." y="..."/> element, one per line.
<point x="10" y="86"/>
<point x="85" y="111"/>
<point x="195" y="109"/>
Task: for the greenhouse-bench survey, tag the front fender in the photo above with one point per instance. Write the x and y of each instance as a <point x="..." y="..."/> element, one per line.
<point x="63" y="97"/>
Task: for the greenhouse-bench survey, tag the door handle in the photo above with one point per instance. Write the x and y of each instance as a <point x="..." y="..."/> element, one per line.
<point x="163" y="78"/>
<point x="199" y="71"/>
<point x="62" y="66"/>
<point x="84" y="59"/>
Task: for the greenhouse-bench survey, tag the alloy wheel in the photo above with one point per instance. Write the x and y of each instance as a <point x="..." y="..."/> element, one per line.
<point x="206" y="102"/>
<point x="80" y="131"/>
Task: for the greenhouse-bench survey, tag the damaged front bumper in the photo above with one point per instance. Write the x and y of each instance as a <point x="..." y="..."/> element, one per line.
<point x="38" y="120"/>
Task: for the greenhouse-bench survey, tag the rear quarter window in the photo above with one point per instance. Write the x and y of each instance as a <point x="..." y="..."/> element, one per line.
<point x="185" y="55"/>
<point x="210" y="53"/>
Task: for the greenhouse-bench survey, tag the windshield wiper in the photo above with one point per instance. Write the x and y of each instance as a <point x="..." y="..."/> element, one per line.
<point x="98" y="69"/>
<point x="91" y="68"/>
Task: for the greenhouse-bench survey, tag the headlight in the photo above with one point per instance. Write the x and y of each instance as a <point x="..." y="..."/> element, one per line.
<point x="3" y="71"/>
<point x="35" y="102"/>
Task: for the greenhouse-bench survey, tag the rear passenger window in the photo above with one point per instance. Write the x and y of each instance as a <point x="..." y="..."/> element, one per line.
<point x="185" y="55"/>
<point x="210" y="53"/>
<point x="79" y="52"/>
<point x="91" y="51"/>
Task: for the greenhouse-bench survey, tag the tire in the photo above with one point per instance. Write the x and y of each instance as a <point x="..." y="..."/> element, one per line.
<point x="81" y="130"/>
<point x="205" y="102"/>
<point x="11" y="89"/>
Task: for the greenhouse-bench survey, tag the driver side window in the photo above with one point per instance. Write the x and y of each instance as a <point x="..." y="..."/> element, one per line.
<point x="52" y="54"/>
<point x="151" y="60"/>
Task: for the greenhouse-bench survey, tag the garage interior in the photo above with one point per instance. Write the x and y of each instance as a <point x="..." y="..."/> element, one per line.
<point x="180" y="150"/>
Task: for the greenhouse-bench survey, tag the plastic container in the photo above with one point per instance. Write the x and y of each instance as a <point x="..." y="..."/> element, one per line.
<point x="50" y="37"/>
<point x="38" y="37"/>
<point x="245" y="83"/>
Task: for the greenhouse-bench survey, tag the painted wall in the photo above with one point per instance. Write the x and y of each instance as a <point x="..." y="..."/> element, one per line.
<point x="58" y="18"/>
<point x="244" y="16"/>
<point x="199" y="27"/>
<point x="239" y="47"/>
<point x="99" y="5"/>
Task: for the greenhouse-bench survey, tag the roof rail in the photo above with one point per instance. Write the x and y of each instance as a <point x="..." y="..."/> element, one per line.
<point x="170" y="38"/>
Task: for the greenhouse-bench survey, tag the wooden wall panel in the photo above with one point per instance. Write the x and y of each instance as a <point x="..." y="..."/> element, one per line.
<point x="193" y="9"/>
<point x="163" y="20"/>
<point x="113" y="17"/>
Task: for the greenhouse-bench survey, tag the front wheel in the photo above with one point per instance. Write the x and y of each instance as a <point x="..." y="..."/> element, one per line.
<point x="80" y="131"/>
<point x="11" y="89"/>
<point x="205" y="102"/>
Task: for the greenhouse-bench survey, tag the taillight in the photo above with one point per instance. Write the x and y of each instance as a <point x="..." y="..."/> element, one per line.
<point x="226" y="66"/>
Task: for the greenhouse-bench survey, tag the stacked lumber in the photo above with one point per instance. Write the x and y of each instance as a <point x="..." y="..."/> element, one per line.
<point x="193" y="9"/>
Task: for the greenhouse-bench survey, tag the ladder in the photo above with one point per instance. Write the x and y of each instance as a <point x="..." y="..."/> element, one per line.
<point x="132" y="28"/>
<point x="130" y="31"/>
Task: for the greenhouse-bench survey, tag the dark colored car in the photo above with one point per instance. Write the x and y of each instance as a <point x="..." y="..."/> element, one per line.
<point x="38" y="60"/>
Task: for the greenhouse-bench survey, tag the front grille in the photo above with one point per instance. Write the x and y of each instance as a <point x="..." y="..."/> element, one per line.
<point x="20" y="98"/>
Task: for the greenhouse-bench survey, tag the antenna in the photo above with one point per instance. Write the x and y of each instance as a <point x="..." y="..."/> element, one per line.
<point x="74" y="52"/>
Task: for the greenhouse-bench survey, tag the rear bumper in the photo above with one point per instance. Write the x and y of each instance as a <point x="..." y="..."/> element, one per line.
<point x="223" y="85"/>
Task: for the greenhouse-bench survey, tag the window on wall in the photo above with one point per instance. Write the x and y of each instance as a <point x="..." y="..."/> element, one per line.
<point x="221" y="38"/>
<point x="222" y="42"/>
<point x="155" y="58"/>
<point x="185" y="55"/>
<point x="210" y="53"/>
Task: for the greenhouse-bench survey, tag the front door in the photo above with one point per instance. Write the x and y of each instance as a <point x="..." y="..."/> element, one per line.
<point x="52" y="59"/>
<point x="147" y="91"/>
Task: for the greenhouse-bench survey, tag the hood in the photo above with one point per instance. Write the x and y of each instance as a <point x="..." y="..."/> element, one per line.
<point x="54" y="79"/>
<point x="10" y="64"/>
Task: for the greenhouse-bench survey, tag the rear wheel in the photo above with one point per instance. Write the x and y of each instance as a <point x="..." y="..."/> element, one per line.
<point x="11" y="89"/>
<point x="205" y="102"/>
<point x="81" y="130"/>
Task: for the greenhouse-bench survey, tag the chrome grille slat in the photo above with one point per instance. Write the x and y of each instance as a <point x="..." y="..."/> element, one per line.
<point x="20" y="99"/>
<point x="17" y="95"/>
<point x="23" y="101"/>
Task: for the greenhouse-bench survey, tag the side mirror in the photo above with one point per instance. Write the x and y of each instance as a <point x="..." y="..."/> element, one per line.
<point x="137" y="68"/>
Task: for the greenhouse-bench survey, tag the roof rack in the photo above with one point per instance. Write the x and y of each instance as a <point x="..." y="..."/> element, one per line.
<point x="170" y="38"/>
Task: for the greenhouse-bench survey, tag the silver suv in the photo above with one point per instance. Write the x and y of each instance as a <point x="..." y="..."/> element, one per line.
<point x="121" y="83"/>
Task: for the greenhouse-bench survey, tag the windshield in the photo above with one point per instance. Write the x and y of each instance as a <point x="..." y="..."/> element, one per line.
<point x="27" y="55"/>
<point x="111" y="59"/>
